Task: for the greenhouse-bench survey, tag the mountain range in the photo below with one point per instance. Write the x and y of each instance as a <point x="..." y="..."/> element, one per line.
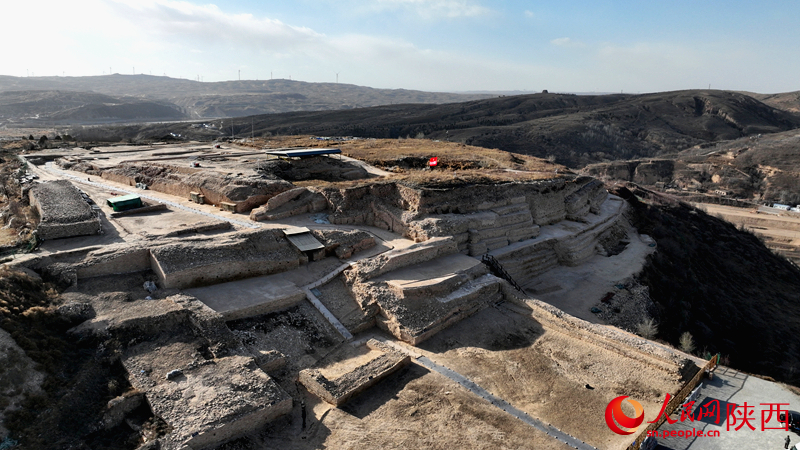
<point x="574" y="130"/>
<point x="44" y="101"/>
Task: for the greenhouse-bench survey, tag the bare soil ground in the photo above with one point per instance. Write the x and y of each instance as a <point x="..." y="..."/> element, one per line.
<point x="781" y="233"/>
<point x="555" y="377"/>
<point x="412" y="408"/>
<point x="408" y="159"/>
<point x="552" y="376"/>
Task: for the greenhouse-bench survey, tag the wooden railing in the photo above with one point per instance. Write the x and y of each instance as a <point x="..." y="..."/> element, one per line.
<point x="677" y="400"/>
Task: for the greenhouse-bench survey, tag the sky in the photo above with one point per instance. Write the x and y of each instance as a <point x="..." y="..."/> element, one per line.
<point x="431" y="45"/>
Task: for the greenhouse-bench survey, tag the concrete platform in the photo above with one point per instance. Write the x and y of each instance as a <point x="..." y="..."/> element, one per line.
<point x="730" y="386"/>
<point x="249" y="297"/>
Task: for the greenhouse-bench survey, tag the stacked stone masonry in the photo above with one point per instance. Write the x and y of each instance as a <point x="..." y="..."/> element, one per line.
<point x="479" y="218"/>
<point x="339" y="390"/>
<point x="62" y="211"/>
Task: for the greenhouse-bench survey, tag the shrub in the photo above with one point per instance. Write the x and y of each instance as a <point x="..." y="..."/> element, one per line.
<point x="647" y="329"/>
<point x="686" y="342"/>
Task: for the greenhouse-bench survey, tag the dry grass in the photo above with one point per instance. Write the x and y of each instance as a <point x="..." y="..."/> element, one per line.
<point x="408" y="159"/>
<point x="445" y="178"/>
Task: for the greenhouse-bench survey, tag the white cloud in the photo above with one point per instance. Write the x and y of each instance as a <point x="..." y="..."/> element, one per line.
<point x="567" y="42"/>
<point x="529" y="14"/>
<point x="434" y="9"/>
<point x="209" y="24"/>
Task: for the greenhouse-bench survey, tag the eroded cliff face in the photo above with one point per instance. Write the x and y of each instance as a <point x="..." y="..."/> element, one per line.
<point x="646" y="172"/>
<point x="478" y="217"/>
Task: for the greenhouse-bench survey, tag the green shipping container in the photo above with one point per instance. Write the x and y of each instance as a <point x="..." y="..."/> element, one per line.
<point x="125" y="202"/>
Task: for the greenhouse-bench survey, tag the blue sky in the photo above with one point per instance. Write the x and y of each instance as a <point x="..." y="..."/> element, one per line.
<point x="433" y="45"/>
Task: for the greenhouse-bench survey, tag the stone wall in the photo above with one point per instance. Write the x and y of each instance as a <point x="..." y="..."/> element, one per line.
<point x="480" y="218"/>
<point x="586" y="199"/>
<point x="449" y="287"/>
<point x="399" y="258"/>
<point x="527" y="259"/>
<point x="62" y="211"/>
<point x="339" y="390"/>
<point x="245" y="192"/>
<point x="197" y="262"/>
<point x="290" y="203"/>
<point x="115" y="260"/>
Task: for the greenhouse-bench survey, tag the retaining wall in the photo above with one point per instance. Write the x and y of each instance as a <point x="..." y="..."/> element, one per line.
<point x="361" y="378"/>
<point x="117" y="261"/>
<point x="479" y="218"/>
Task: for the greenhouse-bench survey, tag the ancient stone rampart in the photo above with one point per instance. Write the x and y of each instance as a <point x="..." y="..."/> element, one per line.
<point x="339" y="390"/>
<point x="117" y="259"/>
<point x="245" y="193"/>
<point x="62" y="211"/>
<point x="396" y="259"/>
<point x="527" y="259"/>
<point x="200" y="262"/>
<point x="480" y="218"/>
<point x="290" y="203"/>
<point x="423" y="289"/>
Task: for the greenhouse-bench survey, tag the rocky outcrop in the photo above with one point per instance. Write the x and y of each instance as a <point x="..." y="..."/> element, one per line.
<point x="645" y="172"/>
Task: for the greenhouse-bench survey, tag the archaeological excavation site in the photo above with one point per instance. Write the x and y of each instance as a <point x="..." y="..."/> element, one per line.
<point x="302" y="294"/>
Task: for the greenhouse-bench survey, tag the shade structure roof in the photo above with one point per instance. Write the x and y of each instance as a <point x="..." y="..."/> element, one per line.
<point x="302" y="238"/>
<point x="302" y="152"/>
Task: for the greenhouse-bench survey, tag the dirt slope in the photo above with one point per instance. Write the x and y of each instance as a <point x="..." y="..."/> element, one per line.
<point x="723" y="286"/>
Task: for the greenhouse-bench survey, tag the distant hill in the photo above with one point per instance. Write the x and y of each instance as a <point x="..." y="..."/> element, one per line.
<point x="787" y="101"/>
<point x="759" y="168"/>
<point x="70" y="107"/>
<point x="187" y="99"/>
<point x="574" y="129"/>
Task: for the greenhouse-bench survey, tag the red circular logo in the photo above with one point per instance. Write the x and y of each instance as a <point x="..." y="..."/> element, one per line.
<point x="615" y="415"/>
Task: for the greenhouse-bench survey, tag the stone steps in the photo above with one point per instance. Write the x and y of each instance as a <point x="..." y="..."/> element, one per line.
<point x="540" y="260"/>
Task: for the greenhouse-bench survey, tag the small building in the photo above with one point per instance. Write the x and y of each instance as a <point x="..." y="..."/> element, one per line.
<point x="781" y="206"/>
<point x="125" y="202"/>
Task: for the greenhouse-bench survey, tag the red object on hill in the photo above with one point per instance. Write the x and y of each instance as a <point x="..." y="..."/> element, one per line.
<point x="433" y="162"/>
